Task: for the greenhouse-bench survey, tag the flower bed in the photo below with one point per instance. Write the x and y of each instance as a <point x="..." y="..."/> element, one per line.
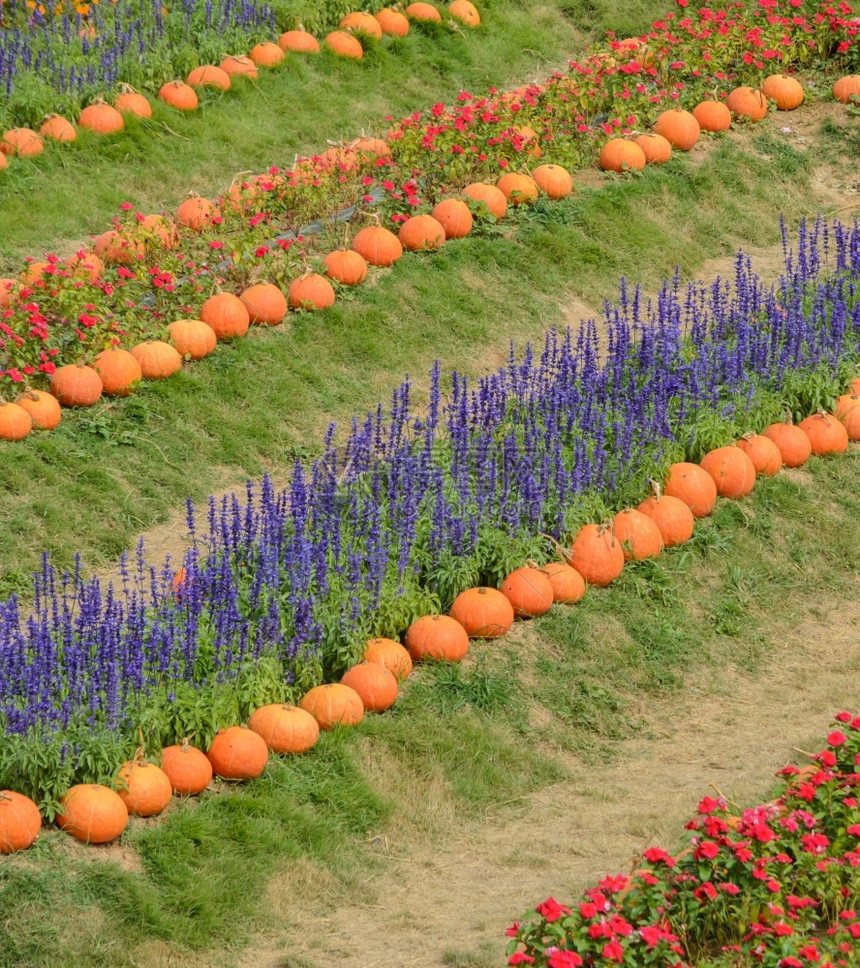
<point x="776" y="884"/>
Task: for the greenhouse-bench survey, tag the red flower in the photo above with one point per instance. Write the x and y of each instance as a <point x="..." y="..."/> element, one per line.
<point x="551" y="910"/>
<point x="562" y="959"/>
<point x="613" y="952"/>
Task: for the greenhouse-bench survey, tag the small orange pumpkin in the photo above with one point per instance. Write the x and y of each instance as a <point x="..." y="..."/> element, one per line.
<point x="119" y="371"/>
<point x="747" y="103"/>
<point x="518" y="189"/>
<point x="656" y="148"/>
<point x="361" y="23"/>
<point x="553" y="180"/>
<point x="144" y="788"/>
<point x="763" y="452"/>
<point x="208" y="75"/>
<point x="197" y="213"/>
<point x="485" y="613"/>
<point x="393" y="22"/>
<point x="15" y="422"/>
<point x="57" y="128"/>
<point x="693" y="485"/>
<point x="226" y="314"/>
<point x="192" y="338"/>
<point x="76" y="385"/>
<point x="23" y="142"/>
<point x="132" y="102"/>
<point x="639" y="535"/>
<point x="285" y="728"/>
<point x="346" y="266"/>
<point x="787" y="92"/>
<point x="20" y="822"/>
<point x="311" y="292"/>
<point x="333" y="704"/>
<point x="157" y="359"/>
<point x="92" y="813"/>
<point x="421" y="233"/>
<point x="44" y="408"/>
<point x="266" y="54"/>
<point x="826" y="433"/>
<point x="680" y="128"/>
<point x="437" y="637"/>
<point x="597" y="555"/>
<point x="266" y="303"/>
<point x="732" y="471"/>
<point x="179" y="95"/>
<point x="529" y="591"/>
<point x="238" y="65"/>
<point x="568" y="586"/>
<point x="375" y="684"/>
<point x="847" y="89"/>
<point x="713" y="116"/>
<point x="455" y="218"/>
<point x="238" y="753"/>
<point x="465" y="12"/>
<point x="791" y="442"/>
<point x="391" y="654"/>
<point x="621" y="155"/>
<point x="342" y="44"/>
<point x="101" y="118"/>
<point x="490" y="196"/>
<point x="377" y="245"/>
<point x="848" y="411"/>
<point x="299" y="41"/>
<point x="187" y="768"/>
<point x="423" y="11"/>
<point x="673" y="517"/>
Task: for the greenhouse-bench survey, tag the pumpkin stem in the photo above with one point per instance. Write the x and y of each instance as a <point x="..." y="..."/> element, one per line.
<point x="4" y="796"/>
<point x="749" y="435"/>
<point x="656" y="490"/>
<point x="565" y="554"/>
<point x="824" y="415"/>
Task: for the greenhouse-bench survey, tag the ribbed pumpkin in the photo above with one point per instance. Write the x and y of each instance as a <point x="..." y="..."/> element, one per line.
<point x="238" y="65"/>
<point x="285" y="728"/>
<point x="529" y="591"/>
<point x="266" y="303"/>
<point x="187" y="768"/>
<point x="197" y="212"/>
<point x="76" y="385"/>
<point x="85" y="265"/>
<point x="92" y="813"/>
<point x="847" y="89"/>
<point x="20" y="822"/>
<point x="371" y="148"/>
<point x="639" y="535"/>
<point x="619" y="154"/>
<point x="192" y="338"/>
<point x="129" y="101"/>
<point x="158" y="230"/>
<point x="143" y="787"/>
<point x="22" y="142"/>
<point x="553" y="180"/>
<point x="226" y="314"/>
<point x="732" y="471"/>
<point x="693" y="485"/>
<point x="101" y="118"/>
<point x="346" y="266"/>
<point x="747" y="103"/>
<point x="266" y="54"/>
<point x="179" y="95"/>
<point x="15" y="422"/>
<point x="437" y="637"/>
<point x="209" y="75"/>
<point x="568" y="586"/>
<point x="787" y="92"/>
<point x="362" y="23"/>
<point x="299" y="41"/>
<point x="393" y="22"/>
<point x="44" y="408"/>
<point x="656" y="148"/>
<point x="826" y="433"/>
<point x="763" y="452"/>
<point x="57" y="128"/>
<point x="713" y="116"/>
<point x="375" y="684"/>
<point x="342" y="44"/>
<point x="791" y="442"/>
<point x="465" y="12"/>
<point x="311" y="292"/>
<point x="490" y="196"/>
<point x="157" y="359"/>
<point x="454" y="216"/>
<point x="333" y="704"/>
<point x="680" y="128"/>
<point x="423" y="11"/>
<point x="848" y="411"/>
<point x="421" y="233"/>
<point x="483" y="612"/>
<point x="119" y="371"/>
<point x="518" y="189"/>
<point x="377" y="245"/>
<point x="238" y="753"/>
<point x="673" y="517"/>
<point x="597" y="554"/>
<point x="391" y="654"/>
<point x="115" y="248"/>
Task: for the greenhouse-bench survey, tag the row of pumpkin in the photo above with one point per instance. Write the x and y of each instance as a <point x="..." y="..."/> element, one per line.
<point x="96" y="813"/>
<point x="102" y="118"/>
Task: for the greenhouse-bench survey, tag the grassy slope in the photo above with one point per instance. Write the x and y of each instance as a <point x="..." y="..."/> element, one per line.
<point x="459" y="738"/>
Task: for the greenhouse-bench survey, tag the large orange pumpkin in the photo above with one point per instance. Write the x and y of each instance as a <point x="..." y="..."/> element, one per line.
<point x="656" y="148"/>
<point x="673" y="517"/>
<point x="238" y="65"/>
<point x="848" y="411"/>
<point x="311" y="292"/>
<point x="266" y="303"/>
<point x="465" y="12"/>
<point x="732" y="471"/>
<point x="266" y="54"/>
<point x="487" y="195"/>
<point x="208" y="75"/>
<point x="597" y="554"/>
<point x="361" y="23"/>
<point x="713" y="116"/>
<point x="619" y="154"/>
<point x="568" y="586"/>
<point x="787" y="92"/>
<point x="76" y="385"/>
<point x="346" y="266"/>
<point x="421" y="233"/>
<point x="179" y="95"/>
<point x="792" y="443"/>
<point x="92" y="813"/>
<point x="44" y="408"/>
<point x="57" y="128"/>
<point x="226" y="314"/>
<point x="517" y="188"/>
<point x="553" y="180"/>
<point x="679" y="128"/>
<point x="374" y="683"/>
<point x="143" y="787"/>
<point x="238" y="753"/>
<point x="192" y="338"/>
<point x="847" y="89"/>
<point x="15" y="422"/>
<point x="101" y="118"/>
<point x="157" y="359"/>
<point x="747" y="103"/>
<point x="187" y="768"/>
<point x="763" y="452"/>
<point x="423" y="11"/>
<point x="826" y="433"/>
<point x="333" y="704"/>
<point x="197" y="213"/>
<point x="285" y="728"/>
<point x="23" y="142"/>
<point x="119" y="371"/>
<point x="485" y="613"/>
<point x="529" y="591"/>
<point x="391" y="654"/>
<point x="393" y="22"/>
<point x="130" y="101"/>
<point x="437" y="637"/>
<point x="299" y="41"/>
<point x="455" y="218"/>
<point x="693" y="485"/>
<point x="377" y="245"/>
<point x="638" y="533"/>
<point x="20" y="822"/>
<point x="342" y="44"/>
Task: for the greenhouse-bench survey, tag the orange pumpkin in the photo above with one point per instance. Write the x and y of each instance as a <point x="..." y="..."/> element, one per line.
<point x="489" y="196"/>
<point x="465" y="12"/>
<point x="393" y="22"/>
<point x="847" y="89"/>
<point x="266" y="303"/>
<point x="553" y="180"/>
<point x="375" y="684"/>
<point x="143" y="787"/>
<point x="85" y="265"/>
<point x="693" y="485"/>
<point x="377" y="245"/>
<point x="826" y="433"/>
<point x="568" y="586"/>
<point x="732" y="471"/>
<point x="747" y="103"/>
<point x="23" y="142"/>
<point x="680" y="128"/>
<point x="673" y="517"/>
<point x="285" y="728"/>
<point x="437" y="637"/>
<point x="787" y="92"/>
<point x="713" y="116"/>
<point x="346" y="266"/>
<point x="101" y="118"/>
<point x="237" y="65"/>
<point x="655" y="147"/>
<point x="333" y="704"/>
<point x="226" y="315"/>
<point x="187" y="768"/>
<point x="157" y="360"/>
<point x="848" y="411"/>
<point x="208" y="75"/>
<point x="342" y="44"/>
<point x="311" y="292"/>
<point x="15" y="422"/>
<point x="791" y="442"/>
<point x="518" y="189"/>
<point x="192" y="338"/>
<point x="92" y="813"/>
<point x="76" y="385"/>
<point x="423" y="11"/>
<point x="266" y="54"/>
<point x="57" y="128"/>
<point x="455" y="218"/>
<point x="238" y="753"/>
<point x="20" y="822"/>
<point x="116" y="248"/>
<point x="763" y="452"/>
<point x="391" y="654"/>
<point x="119" y="371"/>
<point x="597" y="555"/>
<point x="299" y="41"/>
<point x="485" y="613"/>
<point x="529" y="591"/>
<point x="421" y="233"/>
<point x="362" y="23"/>
<point x="197" y="213"/>
<point x="639" y="535"/>
<point x="179" y="95"/>
<point x="132" y="102"/>
<point x="44" y="409"/>
<point x="619" y="154"/>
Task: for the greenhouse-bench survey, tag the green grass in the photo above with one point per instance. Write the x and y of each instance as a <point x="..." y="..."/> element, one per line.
<point x="460" y="741"/>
